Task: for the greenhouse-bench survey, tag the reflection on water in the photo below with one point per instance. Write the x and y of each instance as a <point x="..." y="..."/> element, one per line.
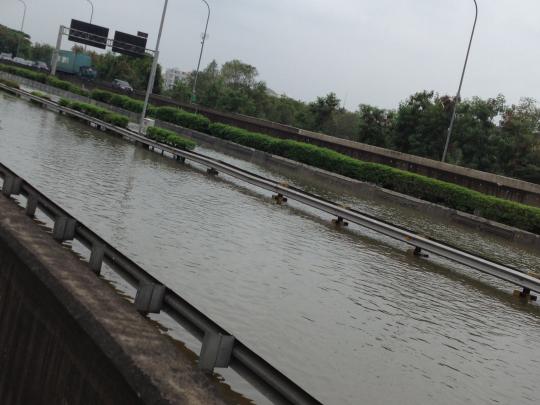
<point x="345" y="313"/>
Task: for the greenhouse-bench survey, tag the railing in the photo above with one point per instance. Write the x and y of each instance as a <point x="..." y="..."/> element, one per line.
<point x="219" y="347"/>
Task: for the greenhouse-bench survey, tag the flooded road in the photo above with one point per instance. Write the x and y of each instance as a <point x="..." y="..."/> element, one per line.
<point x="345" y="313"/>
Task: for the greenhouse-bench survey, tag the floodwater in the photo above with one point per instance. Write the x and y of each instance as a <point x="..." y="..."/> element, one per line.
<point x="345" y="313"/>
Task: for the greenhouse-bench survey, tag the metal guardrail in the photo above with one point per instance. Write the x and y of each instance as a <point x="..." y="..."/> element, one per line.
<point x="498" y="270"/>
<point x="219" y="347"/>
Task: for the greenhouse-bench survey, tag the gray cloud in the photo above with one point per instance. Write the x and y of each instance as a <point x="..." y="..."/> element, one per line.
<point x="367" y="51"/>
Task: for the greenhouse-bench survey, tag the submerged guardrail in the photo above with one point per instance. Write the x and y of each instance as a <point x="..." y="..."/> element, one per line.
<point x="219" y="347"/>
<point x="420" y="243"/>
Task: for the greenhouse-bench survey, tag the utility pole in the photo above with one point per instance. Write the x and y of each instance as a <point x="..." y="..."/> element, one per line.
<point x="91" y="12"/>
<point x="153" y="71"/>
<point x="458" y="95"/>
<point x="22" y="28"/>
<point x="194" y="91"/>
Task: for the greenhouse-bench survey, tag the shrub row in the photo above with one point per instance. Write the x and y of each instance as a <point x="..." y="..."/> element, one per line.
<point x="170" y="138"/>
<point x="425" y="188"/>
<point x="118" y="100"/>
<point x="168" y="114"/>
<point x="182" y="118"/>
<point x="43" y="78"/>
<point x="97" y="112"/>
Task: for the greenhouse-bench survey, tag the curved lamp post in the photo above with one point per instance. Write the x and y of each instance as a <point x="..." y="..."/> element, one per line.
<point x="194" y="91"/>
<point x="153" y="69"/>
<point x="22" y="26"/>
<point x="92" y="12"/>
<point x="456" y="101"/>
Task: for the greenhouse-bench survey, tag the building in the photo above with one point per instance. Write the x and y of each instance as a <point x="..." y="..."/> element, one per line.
<point x="172" y="76"/>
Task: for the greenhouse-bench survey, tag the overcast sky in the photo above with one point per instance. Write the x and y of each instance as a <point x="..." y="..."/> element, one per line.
<point x="367" y="51"/>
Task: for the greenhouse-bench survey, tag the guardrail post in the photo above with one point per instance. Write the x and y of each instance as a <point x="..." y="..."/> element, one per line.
<point x="340" y="222"/>
<point x="31" y="205"/>
<point x="525" y="294"/>
<point x="149" y="298"/>
<point x="64" y="229"/>
<point x="96" y="257"/>
<point x="11" y="186"/>
<point x="419" y="253"/>
<point x="279" y="199"/>
<point x="216" y="351"/>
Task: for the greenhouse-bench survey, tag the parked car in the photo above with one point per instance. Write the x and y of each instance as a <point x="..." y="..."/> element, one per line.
<point x="22" y="61"/>
<point x="41" y="66"/>
<point x="122" y="85"/>
<point x="6" y="56"/>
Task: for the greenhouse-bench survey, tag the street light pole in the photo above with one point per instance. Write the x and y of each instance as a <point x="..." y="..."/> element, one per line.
<point x="456" y="101"/>
<point x="91" y="15"/>
<point x="194" y="91"/>
<point x="92" y="12"/>
<point x="154" y="68"/>
<point x="22" y="27"/>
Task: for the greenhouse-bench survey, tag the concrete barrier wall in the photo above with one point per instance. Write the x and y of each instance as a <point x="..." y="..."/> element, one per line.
<point x="66" y="337"/>
<point x="46" y="358"/>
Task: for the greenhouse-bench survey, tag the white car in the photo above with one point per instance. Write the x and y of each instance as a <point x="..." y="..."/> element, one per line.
<point x="122" y="85"/>
<point x="6" y="56"/>
<point x="41" y="66"/>
<point x="22" y="61"/>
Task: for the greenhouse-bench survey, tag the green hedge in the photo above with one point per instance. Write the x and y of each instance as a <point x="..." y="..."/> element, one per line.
<point x="96" y="112"/>
<point x="65" y="85"/>
<point x="182" y="118"/>
<point x="43" y="78"/>
<point x="118" y="100"/>
<point x="26" y="73"/>
<point x="425" y="188"/>
<point x="169" y="138"/>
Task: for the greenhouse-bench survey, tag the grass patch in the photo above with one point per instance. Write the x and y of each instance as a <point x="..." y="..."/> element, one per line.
<point x="41" y="95"/>
<point x="10" y="83"/>
<point x="170" y="138"/>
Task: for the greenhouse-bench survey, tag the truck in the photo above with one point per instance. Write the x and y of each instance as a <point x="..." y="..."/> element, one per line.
<point x="76" y="63"/>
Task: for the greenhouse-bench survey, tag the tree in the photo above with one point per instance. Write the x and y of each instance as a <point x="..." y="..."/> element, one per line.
<point x="376" y="126"/>
<point x="520" y="126"/>
<point x="420" y="125"/>
<point x="134" y="70"/>
<point x="10" y="39"/>
<point x="41" y="52"/>
<point x="238" y="74"/>
<point x="323" y="110"/>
